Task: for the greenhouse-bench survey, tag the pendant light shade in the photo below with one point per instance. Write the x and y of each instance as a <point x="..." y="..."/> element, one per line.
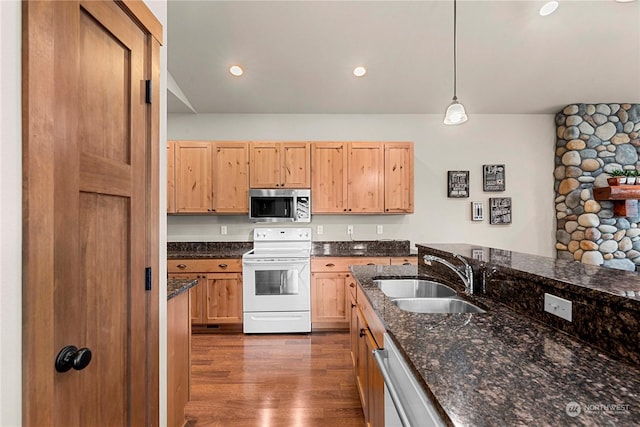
<point x="456" y="113"/>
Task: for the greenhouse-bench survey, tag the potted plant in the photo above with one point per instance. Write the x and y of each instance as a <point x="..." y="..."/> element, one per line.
<point x="618" y="177"/>
<point x="631" y="177"/>
<point x="635" y="174"/>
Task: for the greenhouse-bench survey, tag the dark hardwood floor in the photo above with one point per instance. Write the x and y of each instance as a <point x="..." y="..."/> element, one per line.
<point x="268" y="380"/>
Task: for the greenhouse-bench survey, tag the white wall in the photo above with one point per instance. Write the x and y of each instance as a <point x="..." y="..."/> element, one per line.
<point x="10" y="216"/>
<point x="524" y="143"/>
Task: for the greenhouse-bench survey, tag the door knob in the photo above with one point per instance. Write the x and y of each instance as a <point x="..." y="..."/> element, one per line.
<point x="70" y="357"/>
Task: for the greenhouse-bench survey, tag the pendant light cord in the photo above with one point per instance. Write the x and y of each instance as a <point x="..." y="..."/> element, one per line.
<point x="455" y="67"/>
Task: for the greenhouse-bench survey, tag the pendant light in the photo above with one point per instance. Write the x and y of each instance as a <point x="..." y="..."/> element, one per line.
<point x="455" y="114"/>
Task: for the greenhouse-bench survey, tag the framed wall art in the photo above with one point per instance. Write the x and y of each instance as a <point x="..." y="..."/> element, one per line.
<point x="458" y="184"/>
<point x="500" y="210"/>
<point x="493" y="177"/>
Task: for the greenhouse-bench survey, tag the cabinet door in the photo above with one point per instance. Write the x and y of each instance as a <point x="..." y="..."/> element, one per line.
<point x="329" y="177"/>
<point x="353" y="328"/>
<point x="361" y="362"/>
<point x="366" y="177"/>
<point x="231" y="177"/>
<point x="171" y="177"/>
<point x="295" y="161"/>
<point x="264" y="165"/>
<point x="398" y="177"/>
<point x="374" y="416"/>
<point x="195" y="295"/>
<point x="223" y="303"/>
<point x="329" y="296"/>
<point x="193" y="176"/>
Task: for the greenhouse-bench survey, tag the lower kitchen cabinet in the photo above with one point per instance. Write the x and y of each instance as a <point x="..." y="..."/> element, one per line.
<point x="366" y="332"/>
<point x="178" y="358"/>
<point x="216" y="302"/>
<point x="330" y="280"/>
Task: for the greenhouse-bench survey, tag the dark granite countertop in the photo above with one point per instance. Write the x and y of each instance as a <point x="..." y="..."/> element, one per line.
<point x="177" y="286"/>
<point x="212" y="250"/>
<point x="365" y="248"/>
<point x="501" y="368"/>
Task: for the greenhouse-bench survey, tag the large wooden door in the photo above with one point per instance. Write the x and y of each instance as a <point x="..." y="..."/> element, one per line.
<point x="90" y="213"/>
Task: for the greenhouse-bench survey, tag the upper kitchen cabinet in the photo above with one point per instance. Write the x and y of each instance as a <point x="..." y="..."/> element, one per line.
<point x="362" y="177"/>
<point x="329" y="177"/>
<point x="398" y="177"/>
<point x="171" y="177"/>
<point x="231" y="177"/>
<point x="365" y="177"/>
<point x="280" y="165"/>
<point x="193" y="176"/>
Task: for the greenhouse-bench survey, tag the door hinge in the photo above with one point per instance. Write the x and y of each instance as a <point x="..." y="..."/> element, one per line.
<point x="147" y="91"/>
<point x="147" y="284"/>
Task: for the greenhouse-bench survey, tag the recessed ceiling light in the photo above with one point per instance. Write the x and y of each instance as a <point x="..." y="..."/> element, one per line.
<point x="548" y="8"/>
<point x="236" y="70"/>
<point x="359" y="71"/>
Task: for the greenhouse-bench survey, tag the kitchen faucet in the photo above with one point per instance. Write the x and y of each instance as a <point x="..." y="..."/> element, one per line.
<point x="465" y="273"/>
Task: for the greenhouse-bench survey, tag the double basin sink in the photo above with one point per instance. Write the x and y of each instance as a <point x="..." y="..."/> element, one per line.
<point x="424" y="296"/>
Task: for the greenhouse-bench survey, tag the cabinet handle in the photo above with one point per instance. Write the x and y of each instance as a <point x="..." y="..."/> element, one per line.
<point x="330" y="265"/>
<point x="353" y="305"/>
<point x="387" y="210"/>
<point x="223" y="265"/>
<point x="181" y="266"/>
<point x="362" y="332"/>
<point x="352" y="285"/>
<point x="370" y="263"/>
<point x="345" y="209"/>
<point x="406" y="263"/>
<point x="349" y="209"/>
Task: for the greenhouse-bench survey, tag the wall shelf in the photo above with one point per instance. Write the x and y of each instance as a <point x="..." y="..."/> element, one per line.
<point x="624" y="197"/>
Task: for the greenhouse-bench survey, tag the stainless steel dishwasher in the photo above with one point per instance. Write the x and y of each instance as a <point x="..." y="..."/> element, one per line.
<point x="405" y="402"/>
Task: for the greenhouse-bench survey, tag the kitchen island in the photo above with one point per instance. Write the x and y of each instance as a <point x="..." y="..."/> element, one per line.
<point x="178" y="349"/>
<point x="509" y="365"/>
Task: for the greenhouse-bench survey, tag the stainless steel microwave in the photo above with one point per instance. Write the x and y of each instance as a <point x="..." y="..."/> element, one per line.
<point x="281" y="205"/>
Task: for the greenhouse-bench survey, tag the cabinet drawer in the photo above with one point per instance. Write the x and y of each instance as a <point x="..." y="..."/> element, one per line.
<point x="324" y="264"/>
<point x="204" y="265"/>
<point x="410" y="260"/>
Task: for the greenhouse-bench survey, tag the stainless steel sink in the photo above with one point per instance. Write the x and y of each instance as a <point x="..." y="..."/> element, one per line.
<point x="414" y="288"/>
<point x="436" y="305"/>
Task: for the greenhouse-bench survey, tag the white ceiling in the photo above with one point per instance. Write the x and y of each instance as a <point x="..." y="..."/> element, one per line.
<point x="298" y="56"/>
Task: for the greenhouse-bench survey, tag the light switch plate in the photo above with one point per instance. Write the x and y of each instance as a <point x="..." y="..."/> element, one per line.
<point x="349" y="229"/>
<point x="319" y="230"/>
<point x="558" y="306"/>
<point x="380" y="229"/>
<point x="223" y="229"/>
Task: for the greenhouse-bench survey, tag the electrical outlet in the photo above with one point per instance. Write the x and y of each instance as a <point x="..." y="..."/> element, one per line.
<point x="223" y="229"/>
<point x="319" y="230"/>
<point x="380" y="229"/>
<point x="557" y="306"/>
<point x="349" y="229"/>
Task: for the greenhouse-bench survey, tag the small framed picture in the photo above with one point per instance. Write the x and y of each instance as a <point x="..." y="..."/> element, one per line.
<point x="477" y="211"/>
<point x="477" y="254"/>
<point x="500" y="210"/>
<point x="458" y="184"/>
<point x="493" y="177"/>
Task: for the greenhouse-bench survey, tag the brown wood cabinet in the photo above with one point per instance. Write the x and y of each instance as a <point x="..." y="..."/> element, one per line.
<point x="178" y="358"/>
<point x="362" y="177"/>
<point x="208" y="177"/>
<point x="330" y="281"/>
<point x="367" y="335"/>
<point x="365" y="178"/>
<point x="398" y="177"/>
<point x="217" y="299"/>
<point x="193" y="176"/>
<point x="410" y="260"/>
<point x="171" y="177"/>
<point x="280" y="165"/>
<point x="230" y="178"/>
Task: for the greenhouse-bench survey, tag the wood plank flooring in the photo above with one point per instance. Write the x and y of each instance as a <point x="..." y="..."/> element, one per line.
<point x="269" y="380"/>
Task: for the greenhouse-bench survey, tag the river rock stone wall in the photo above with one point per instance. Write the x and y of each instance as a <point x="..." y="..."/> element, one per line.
<point x="591" y="141"/>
